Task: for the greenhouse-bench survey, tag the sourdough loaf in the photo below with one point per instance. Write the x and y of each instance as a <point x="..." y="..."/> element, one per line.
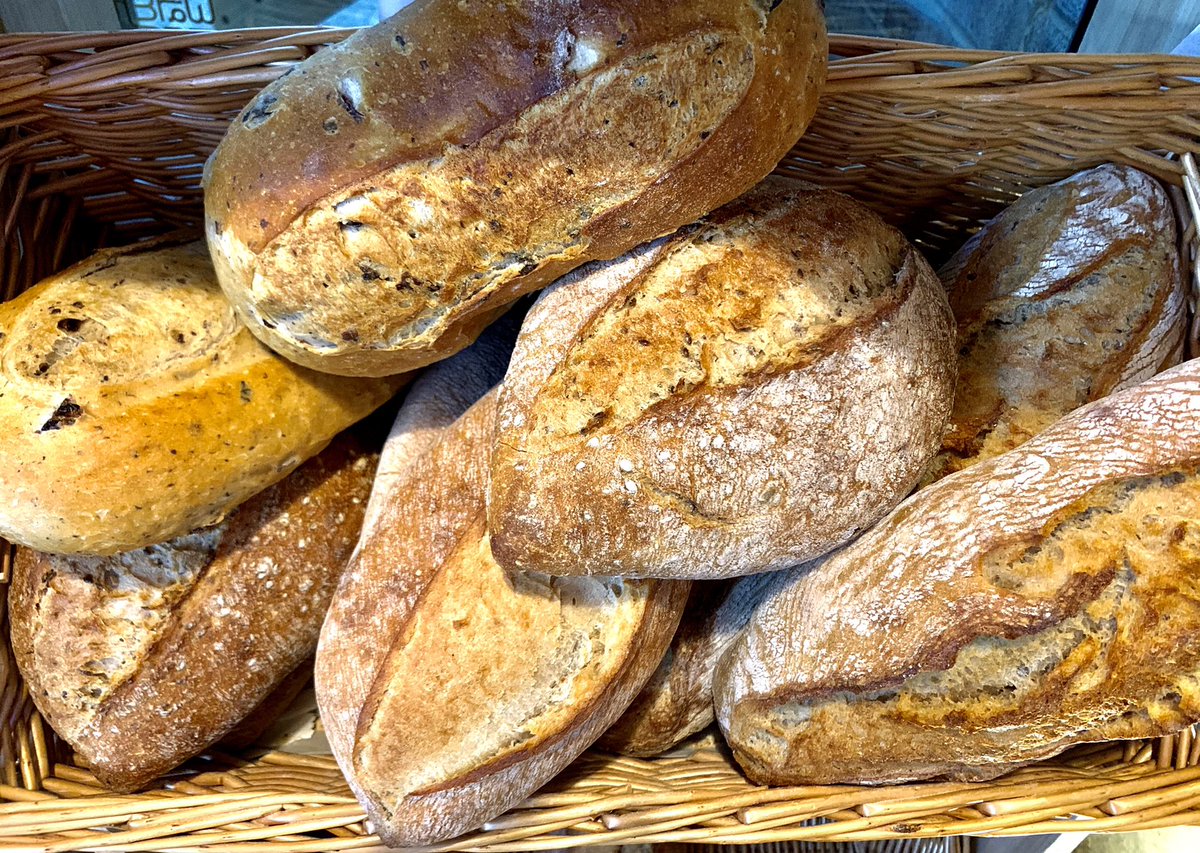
<point x="143" y="659"/>
<point x="1073" y="292"/>
<point x="1043" y="598"/>
<point x="409" y="525"/>
<point x="453" y="689"/>
<point x="375" y="207"/>
<point x="739" y="397"/>
<point x="136" y="408"/>
<point x="677" y="700"/>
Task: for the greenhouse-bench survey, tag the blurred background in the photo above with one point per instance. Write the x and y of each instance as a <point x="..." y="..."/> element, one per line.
<point x="1090" y="26"/>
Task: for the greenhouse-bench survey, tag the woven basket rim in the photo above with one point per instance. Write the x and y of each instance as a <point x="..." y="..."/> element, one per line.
<point x="52" y="171"/>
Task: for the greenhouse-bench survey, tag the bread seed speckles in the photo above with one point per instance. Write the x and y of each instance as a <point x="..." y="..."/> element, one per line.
<point x="350" y="96"/>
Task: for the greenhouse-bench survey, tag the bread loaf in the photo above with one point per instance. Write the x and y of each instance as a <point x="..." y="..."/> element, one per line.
<point x="742" y="396"/>
<point x="409" y="525"/>
<point x="374" y="208"/>
<point x="1040" y="599"/>
<point x="143" y="659"/>
<point x="473" y="686"/>
<point x="136" y="408"/>
<point x="677" y="700"/>
<point x="1073" y="292"/>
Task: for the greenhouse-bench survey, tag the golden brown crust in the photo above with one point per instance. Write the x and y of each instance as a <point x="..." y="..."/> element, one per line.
<point x="737" y="398"/>
<point x="1036" y="600"/>
<point x="422" y="610"/>
<point x="677" y="700"/>
<point x="435" y="189"/>
<point x="136" y="408"/>
<point x="142" y="660"/>
<point x="413" y="520"/>
<point x="1073" y="292"/>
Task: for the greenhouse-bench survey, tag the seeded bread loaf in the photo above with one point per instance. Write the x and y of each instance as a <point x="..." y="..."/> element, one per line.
<point x="1073" y="292"/>
<point x="471" y="687"/>
<point x="677" y="700"/>
<point x="143" y="659"/>
<point x="372" y="210"/>
<point x="136" y="408"/>
<point x="740" y="397"/>
<point x="1040" y="599"/>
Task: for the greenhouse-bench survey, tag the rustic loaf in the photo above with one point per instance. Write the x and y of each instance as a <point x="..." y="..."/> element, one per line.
<point x="740" y="397"/>
<point x="136" y="408"/>
<point x="373" y="209"/>
<point x="1043" y="598"/>
<point x="1073" y="292"/>
<point x="142" y="659"/>
<point x="473" y="686"/>
<point x="677" y="700"/>
<point x="408" y="524"/>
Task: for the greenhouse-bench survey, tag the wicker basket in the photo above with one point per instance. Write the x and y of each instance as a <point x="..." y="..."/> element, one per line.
<point x="103" y="138"/>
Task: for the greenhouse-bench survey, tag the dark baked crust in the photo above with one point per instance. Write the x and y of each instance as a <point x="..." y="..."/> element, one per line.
<point x="1036" y="600"/>
<point x="229" y="632"/>
<point x="589" y="129"/>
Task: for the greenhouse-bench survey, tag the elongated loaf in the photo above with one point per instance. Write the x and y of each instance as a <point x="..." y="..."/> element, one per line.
<point x="1073" y="292"/>
<point x="143" y="659"/>
<point x="136" y="408"/>
<point x="480" y="685"/>
<point x="372" y="210"/>
<point x="740" y="397"/>
<point x="409" y="528"/>
<point x="1040" y="599"/>
<point x="677" y="700"/>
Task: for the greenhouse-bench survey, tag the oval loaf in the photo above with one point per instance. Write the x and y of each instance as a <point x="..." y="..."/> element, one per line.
<point x="1046" y="597"/>
<point x="137" y="408"/>
<point x="526" y="670"/>
<point x="1073" y="292"/>
<point x="373" y="209"/>
<point x="143" y="659"/>
<point x="410" y="522"/>
<point x="740" y="397"/>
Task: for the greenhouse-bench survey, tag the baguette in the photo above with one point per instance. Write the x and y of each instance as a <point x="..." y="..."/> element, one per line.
<point x="740" y="397"/>
<point x="677" y="700"/>
<point x="1073" y="292"/>
<point x="375" y="208"/>
<point x="1040" y="599"/>
<point x="136" y="408"/>
<point x="143" y="659"/>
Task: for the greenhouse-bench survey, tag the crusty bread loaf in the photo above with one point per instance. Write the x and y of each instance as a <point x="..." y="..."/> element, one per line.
<point x="742" y="396"/>
<point x="142" y="659"/>
<point x="374" y="208"/>
<point x="457" y="689"/>
<point x="1073" y="292"/>
<point x="408" y="524"/>
<point x="677" y="700"/>
<point x="136" y="408"/>
<point x="1040" y="599"/>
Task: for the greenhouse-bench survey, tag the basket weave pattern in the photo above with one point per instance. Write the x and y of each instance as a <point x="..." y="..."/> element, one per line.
<point x="102" y="140"/>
